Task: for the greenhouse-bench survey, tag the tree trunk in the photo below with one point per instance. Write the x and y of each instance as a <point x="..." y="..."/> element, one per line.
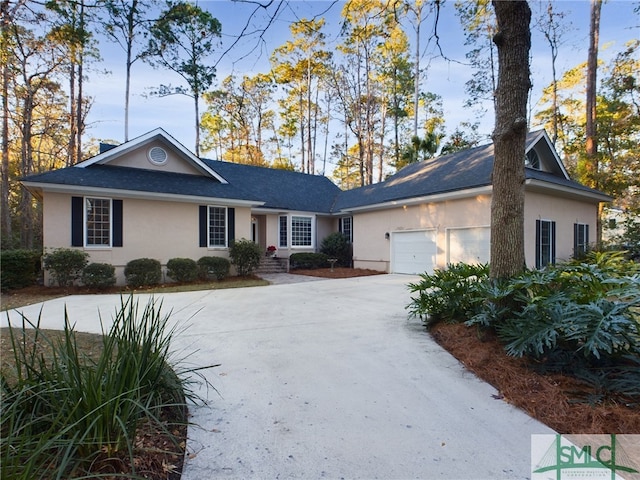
<point x="72" y="115"/>
<point x="196" y="100"/>
<point x="592" y="69"/>
<point x="5" y="224"/>
<point x="513" y="40"/>
<point x="592" y="164"/>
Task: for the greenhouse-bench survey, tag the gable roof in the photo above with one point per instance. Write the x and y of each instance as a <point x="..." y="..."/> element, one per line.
<point x="231" y="183"/>
<point x="117" y="151"/>
<point x="459" y="174"/>
<point x="456" y="175"/>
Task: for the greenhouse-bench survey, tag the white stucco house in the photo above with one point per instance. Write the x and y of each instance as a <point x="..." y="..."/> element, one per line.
<point x="151" y="197"/>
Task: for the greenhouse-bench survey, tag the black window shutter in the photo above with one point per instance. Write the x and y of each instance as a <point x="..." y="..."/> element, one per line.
<point x="538" y="249"/>
<point x="117" y="223"/>
<point x="231" y="225"/>
<point x="586" y="236"/>
<point x="77" y="204"/>
<point x="576" y="241"/>
<point x="553" y="242"/>
<point x="203" y="225"/>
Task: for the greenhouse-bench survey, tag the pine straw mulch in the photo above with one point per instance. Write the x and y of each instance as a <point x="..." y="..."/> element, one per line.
<point x="157" y="455"/>
<point x="337" y="272"/>
<point x="552" y="398"/>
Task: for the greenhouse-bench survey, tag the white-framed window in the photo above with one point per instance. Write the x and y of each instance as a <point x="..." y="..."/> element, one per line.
<point x="296" y="231"/>
<point x="97" y="222"/>
<point x="217" y="223"/>
<point x="301" y="231"/>
<point x="283" y="236"/>
<point x="580" y="239"/>
<point x="545" y="243"/>
<point x="345" y="227"/>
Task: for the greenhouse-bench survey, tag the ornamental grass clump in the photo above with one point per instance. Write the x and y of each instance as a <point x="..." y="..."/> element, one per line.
<point x="67" y="412"/>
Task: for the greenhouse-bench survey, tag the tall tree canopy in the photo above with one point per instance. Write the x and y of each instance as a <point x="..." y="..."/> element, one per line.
<point x="181" y="40"/>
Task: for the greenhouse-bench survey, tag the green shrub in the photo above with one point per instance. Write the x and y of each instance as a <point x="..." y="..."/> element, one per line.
<point x="99" y="275"/>
<point x="246" y="256"/>
<point x="337" y="245"/>
<point x="20" y="268"/>
<point x="182" y="269"/>
<point x="451" y="295"/>
<point x="307" y="260"/>
<point x="143" y="272"/>
<point x="65" y="265"/>
<point x="213" y="267"/>
<point x="60" y="413"/>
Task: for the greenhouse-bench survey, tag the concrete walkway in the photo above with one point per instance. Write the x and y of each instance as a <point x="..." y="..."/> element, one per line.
<point x="327" y="379"/>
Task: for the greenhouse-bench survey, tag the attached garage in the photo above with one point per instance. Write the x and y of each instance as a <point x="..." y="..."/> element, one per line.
<point x="413" y="252"/>
<point x="469" y="245"/>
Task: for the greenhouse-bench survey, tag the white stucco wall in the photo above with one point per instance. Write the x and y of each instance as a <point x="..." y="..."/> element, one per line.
<point x="152" y="229"/>
<point x="372" y="249"/>
<point x="565" y="212"/>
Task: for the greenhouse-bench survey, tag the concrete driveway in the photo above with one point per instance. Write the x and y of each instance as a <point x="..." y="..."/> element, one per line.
<point x="328" y="379"/>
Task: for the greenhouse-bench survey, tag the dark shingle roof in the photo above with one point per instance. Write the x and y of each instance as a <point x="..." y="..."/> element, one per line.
<point x="277" y="189"/>
<point x="449" y="173"/>
<point x="286" y="190"/>
<point x="140" y="180"/>
<point x="280" y="189"/>
<point x="457" y="171"/>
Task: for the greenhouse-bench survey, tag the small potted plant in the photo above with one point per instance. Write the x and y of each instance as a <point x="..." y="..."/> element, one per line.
<point x="271" y="250"/>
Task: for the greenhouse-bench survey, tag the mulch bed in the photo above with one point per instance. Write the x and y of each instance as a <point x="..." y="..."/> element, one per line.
<point x="337" y="272"/>
<point x="552" y="399"/>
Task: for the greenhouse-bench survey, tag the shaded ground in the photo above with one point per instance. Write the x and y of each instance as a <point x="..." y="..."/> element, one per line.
<point x="555" y="400"/>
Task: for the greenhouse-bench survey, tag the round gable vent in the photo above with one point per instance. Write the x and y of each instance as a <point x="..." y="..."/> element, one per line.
<point x="157" y="155"/>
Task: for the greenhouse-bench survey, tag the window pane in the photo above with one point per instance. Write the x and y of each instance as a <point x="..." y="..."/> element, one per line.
<point x="582" y="239"/>
<point x="282" y="242"/>
<point x="98" y="221"/>
<point x="345" y="225"/>
<point x="217" y="227"/>
<point x="301" y="231"/>
<point x="546" y="243"/>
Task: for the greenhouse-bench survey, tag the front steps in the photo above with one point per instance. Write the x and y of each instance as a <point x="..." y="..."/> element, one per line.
<point x="272" y="265"/>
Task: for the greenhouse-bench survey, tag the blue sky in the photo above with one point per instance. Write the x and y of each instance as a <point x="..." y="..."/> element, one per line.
<point x="251" y="55"/>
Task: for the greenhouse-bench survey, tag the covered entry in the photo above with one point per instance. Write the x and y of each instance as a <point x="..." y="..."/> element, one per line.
<point x="413" y="252"/>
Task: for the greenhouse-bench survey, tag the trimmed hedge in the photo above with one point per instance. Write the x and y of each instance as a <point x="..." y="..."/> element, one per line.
<point x="246" y="256"/>
<point x="213" y="268"/>
<point x="20" y="268"/>
<point x="182" y="269"/>
<point x="308" y="260"/>
<point x="336" y="245"/>
<point x="143" y="272"/>
<point x="99" y="275"/>
<point x="65" y="265"/>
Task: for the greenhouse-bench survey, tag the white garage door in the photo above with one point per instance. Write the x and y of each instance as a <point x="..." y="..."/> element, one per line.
<point x="413" y="252"/>
<point x="468" y="245"/>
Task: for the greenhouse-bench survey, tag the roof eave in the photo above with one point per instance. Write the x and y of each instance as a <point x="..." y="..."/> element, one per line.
<point x="566" y="191"/>
<point x="437" y="197"/>
<point x="140" y="195"/>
